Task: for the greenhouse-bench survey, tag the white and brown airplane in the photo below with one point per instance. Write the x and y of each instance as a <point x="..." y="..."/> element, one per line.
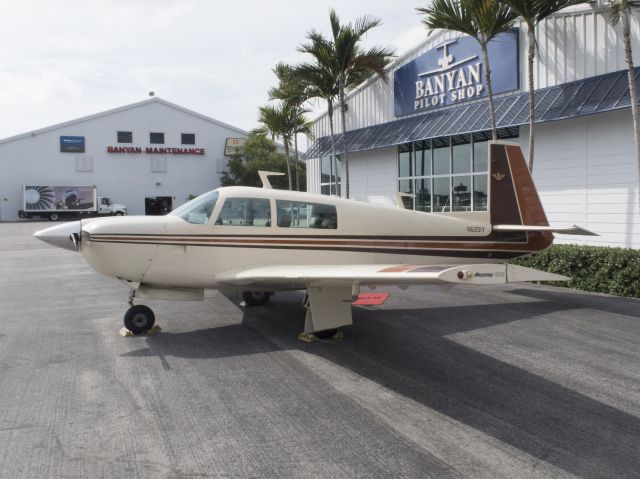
<point x="261" y="240"/>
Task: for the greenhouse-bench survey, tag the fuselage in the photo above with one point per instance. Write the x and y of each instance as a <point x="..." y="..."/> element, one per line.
<point x="254" y="227"/>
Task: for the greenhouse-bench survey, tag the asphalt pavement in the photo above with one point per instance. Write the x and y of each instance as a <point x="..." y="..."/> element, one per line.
<point x="509" y="381"/>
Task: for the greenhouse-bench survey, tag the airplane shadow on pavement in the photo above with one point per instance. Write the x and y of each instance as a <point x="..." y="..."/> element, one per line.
<point x="407" y="351"/>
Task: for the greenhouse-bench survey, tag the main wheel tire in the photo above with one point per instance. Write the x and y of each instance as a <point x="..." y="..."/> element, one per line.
<point x="326" y="334"/>
<point x="119" y="213"/>
<point x="139" y="319"/>
<point x="255" y="298"/>
<point x="54" y="217"/>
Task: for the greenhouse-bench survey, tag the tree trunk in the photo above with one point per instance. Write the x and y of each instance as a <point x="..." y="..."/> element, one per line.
<point x="295" y="145"/>
<point x="531" y="38"/>
<point x="345" y="159"/>
<point x="286" y="154"/>
<point x="487" y="79"/>
<point x="633" y="93"/>
<point x="334" y="159"/>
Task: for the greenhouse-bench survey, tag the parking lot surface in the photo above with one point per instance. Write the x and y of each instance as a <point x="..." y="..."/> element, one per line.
<point x="510" y="381"/>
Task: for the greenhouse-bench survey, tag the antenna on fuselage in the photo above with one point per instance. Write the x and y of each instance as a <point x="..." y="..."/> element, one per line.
<point x="398" y="198"/>
<point x="264" y="177"/>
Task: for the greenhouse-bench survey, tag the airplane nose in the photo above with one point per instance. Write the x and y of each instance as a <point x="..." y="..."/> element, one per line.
<point x="65" y="236"/>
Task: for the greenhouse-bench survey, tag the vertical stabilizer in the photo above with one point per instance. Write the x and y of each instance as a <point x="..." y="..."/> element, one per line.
<point x="513" y="196"/>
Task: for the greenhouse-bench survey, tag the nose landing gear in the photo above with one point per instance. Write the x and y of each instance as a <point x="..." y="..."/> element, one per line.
<point x="139" y="318"/>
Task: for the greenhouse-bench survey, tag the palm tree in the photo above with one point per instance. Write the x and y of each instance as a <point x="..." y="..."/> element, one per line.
<point x="619" y="10"/>
<point x="276" y="122"/>
<point x="292" y="91"/>
<point x="482" y="20"/>
<point x="318" y="80"/>
<point x="533" y="12"/>
<point x="348" y="64"/>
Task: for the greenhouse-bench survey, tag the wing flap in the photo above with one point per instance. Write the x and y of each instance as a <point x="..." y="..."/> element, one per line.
<point x="304" y="276"/>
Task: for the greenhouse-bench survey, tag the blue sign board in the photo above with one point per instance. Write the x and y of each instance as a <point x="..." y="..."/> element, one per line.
<point x="453" y="72"/>
<point x="72" y="144"/>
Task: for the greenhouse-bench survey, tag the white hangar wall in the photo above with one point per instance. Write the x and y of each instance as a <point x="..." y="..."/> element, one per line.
<point x="586" y="174"/>
<point x="585" y="168"/>
<point x="128" y="178"/>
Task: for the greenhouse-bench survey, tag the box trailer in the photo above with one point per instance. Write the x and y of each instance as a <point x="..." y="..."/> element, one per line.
<point x="65" y="201"/>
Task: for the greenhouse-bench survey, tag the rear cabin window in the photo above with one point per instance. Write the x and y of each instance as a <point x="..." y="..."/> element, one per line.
<point x="245" y="212"/>
<point x="299" y="214"/>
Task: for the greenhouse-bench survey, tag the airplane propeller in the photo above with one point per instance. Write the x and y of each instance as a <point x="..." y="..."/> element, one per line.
<point x="66" y="235"/>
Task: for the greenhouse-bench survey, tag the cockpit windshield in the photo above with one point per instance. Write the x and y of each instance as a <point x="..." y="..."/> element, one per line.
<point x="198" y="210"/>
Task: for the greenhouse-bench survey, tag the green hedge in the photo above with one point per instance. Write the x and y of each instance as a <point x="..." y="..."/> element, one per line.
<point x="591" y="268"/>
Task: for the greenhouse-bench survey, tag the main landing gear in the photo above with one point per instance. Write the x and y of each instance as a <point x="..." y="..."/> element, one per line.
<point x="255" y="298"/>
<point x="139" y="318"/>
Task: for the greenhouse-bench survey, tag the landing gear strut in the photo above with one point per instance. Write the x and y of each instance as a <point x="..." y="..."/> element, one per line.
<point x="139" y="318"/>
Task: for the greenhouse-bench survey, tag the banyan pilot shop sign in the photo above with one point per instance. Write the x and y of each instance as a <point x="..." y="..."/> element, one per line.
<point x="453" y="72"/>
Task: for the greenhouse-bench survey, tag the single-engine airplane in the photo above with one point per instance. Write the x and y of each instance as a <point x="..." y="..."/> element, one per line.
<point x="261" y="240"/>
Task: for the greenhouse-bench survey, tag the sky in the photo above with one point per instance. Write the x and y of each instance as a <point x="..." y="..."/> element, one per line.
<point x="64" y="60"/>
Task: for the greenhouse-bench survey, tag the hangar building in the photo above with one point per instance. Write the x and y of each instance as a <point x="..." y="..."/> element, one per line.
<point x="140" y="155"/>
<point x="425" y="130"/>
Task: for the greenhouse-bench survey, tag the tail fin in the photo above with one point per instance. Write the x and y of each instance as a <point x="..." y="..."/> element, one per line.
<point x="513" y="196"/>
<point x="514" y="202"/>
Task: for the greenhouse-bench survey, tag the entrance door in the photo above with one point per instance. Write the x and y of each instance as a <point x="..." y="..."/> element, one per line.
<point x="157" y="205"/>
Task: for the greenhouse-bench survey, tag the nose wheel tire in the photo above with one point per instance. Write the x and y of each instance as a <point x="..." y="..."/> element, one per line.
<point x="255" y="298"/>
<point x="139" y="319"/>
<point x="54" y="217"/>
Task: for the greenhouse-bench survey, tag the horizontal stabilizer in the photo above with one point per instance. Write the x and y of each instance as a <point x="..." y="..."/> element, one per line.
<point x="573" y="230"/>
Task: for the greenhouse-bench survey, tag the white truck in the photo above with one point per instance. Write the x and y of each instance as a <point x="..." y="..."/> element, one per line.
<point x="61" y="202"/>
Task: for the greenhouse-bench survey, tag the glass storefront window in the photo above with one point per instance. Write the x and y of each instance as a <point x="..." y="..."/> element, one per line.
<point x="480" y="192"/>
<point x="328" y="176"/>
<point x="423" y="194"/>
<point x="461" y="193"/>
<point x="480" y="155"/>
<point x="442" y="160"/>
<point x="461" y="154"/>
<point x="406" y="186"/>
<point x="441" y="194"/>
<point x="404" y="164"/>
<point x="423" y="158"/>
<point x="447" y="173"/>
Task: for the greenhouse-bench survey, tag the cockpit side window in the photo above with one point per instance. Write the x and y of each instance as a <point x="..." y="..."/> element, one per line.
<point x="198" y="210"/>
<point x="245" y="212"/>
<point x="300" y="214"/>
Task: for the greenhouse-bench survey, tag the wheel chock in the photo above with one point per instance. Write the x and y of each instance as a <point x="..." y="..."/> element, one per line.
<point x="127" y="333"/>
<point x="307" y="337"/>
<point x="311" y="337"/>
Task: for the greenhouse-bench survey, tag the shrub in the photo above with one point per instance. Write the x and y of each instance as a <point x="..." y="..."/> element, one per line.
<point x="591" y="268"/>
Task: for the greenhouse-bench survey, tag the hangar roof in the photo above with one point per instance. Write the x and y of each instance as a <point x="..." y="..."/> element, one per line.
<point x="569" y="100"/>
<point x="131" y="106"/>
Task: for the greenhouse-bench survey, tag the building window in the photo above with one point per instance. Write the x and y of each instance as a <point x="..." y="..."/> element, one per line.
<point x="188" y="138"/>
<point x="328" y="184"/>
<point x="125" y="137"/>
<point x="156" y="138"/>
<point x="448" y="173"/>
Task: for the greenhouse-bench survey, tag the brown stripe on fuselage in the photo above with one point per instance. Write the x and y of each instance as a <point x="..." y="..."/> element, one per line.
<point x="535" y="243"/>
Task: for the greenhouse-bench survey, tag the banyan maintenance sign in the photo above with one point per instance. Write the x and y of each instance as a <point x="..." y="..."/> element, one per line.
<point x="453" y="72"/>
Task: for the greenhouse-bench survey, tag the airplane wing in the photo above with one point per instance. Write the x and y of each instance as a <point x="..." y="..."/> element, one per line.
<point x="304" y="276"/>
